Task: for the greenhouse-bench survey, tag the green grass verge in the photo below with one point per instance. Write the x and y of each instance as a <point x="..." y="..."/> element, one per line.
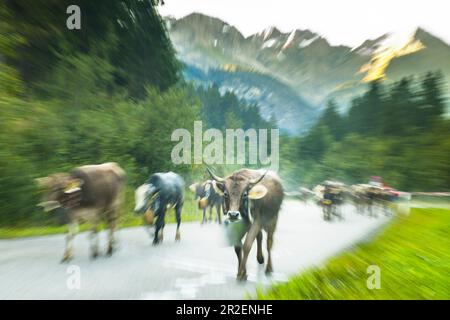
<point x="127" y="219"/>
<point x="413" y="254"/>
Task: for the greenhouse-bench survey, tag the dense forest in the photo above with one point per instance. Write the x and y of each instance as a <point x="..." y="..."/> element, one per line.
<point x="398" y="132"/>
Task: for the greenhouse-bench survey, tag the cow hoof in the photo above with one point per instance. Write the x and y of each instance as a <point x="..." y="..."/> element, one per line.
<point x="94" y="255"/>
<point x="241" y="278"/>
<point x="156" y="242"/>
<point x="110" y="252"/>
<point x="269" y="271"/>
<point x="66" y="259"/>
<point x="177" y="237"/>
<point x="260" y="260"/>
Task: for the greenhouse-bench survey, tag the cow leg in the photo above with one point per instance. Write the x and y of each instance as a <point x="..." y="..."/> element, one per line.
<point x="249" y="239"/>
<point x="204" y="216"/>
<point x="112" y="225"/>
<point x="68" y="254"/>
<point x="259" y="254"/>
<point x="210" y="213"/>
<point x="178" y="208"/>
<point x="113" y="217"/>
<point x="159" y="226"/>
<point x="269" y="268"/>
<point x="219" y="218"/>
<point x="94" y="240"/>
<point x="238" y="250"/>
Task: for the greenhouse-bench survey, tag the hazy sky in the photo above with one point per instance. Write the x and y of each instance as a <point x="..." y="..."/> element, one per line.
<point x="348" y="22"/>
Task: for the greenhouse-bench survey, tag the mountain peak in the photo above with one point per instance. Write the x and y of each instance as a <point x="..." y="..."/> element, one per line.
<point x="427" y="38"/>
<point x="268" y="33"/>
<point x="370" y="46"/>
<point x="197" y="16"/>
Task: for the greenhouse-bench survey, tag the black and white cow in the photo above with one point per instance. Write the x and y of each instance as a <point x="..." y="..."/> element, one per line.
<point x="162" y="190"/>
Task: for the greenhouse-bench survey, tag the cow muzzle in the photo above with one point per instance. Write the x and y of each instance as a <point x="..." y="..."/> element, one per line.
<point x="234" y="215"/>
<point x="48" y="206"/>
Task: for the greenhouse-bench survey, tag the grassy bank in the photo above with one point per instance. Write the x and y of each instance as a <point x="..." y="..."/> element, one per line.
<point x="128" y="219"/>
<point x="413" y="255"/>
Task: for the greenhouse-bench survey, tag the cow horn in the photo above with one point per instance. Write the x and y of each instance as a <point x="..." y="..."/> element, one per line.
<point x="217" y="178"/>
<point x="256" y="181"/>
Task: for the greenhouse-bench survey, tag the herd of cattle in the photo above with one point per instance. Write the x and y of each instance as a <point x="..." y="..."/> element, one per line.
<point x="249" y="198"/>
<point x="95" y="193"/>
<point x="368" y="199"/>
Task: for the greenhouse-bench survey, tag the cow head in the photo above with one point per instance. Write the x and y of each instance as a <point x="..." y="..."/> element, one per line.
<point x="143" y="198"/>
<point x="61" y="190"/>
<point x="237" y="191"/>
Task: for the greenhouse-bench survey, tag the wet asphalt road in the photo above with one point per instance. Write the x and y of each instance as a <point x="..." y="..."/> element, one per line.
<point x="201" y="266"/>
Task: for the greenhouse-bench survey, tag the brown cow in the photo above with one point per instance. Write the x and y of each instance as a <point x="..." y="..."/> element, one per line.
<point x="255" y="197"/>
<point x="88" y="193"/>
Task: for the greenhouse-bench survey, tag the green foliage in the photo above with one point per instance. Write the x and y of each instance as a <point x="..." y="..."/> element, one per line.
<point x="414" y="265"/>
<point x="46" y="137"/>
<point x="127" y="34"/>
<point x="332" y="120"/>
<point x="222" y="111"/>
<point x="107" y="92"/>
<point x="10" y="83"/>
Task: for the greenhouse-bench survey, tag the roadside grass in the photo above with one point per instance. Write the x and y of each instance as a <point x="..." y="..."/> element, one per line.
<point x="413" y="254"/>
<point x="127" y="219"/>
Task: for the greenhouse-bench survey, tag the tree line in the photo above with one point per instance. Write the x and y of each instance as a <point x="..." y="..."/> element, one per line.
<point x="397" y="131"/>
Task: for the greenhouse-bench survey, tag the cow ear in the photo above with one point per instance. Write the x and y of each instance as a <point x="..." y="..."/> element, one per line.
<point x="257" y="192"/>
<point x="219" y="187"/>
<point x="73" y="185"/>
<point x="193" y="187"/>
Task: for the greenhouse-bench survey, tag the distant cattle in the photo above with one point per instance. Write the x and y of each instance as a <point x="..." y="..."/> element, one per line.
<point x="330" y="195"/>
<point x="208" y="197"/>
<point x="88" y="193"/>
<point x="255" y="197"/>
<point x="367" y="198"/>
<point x="162" y="190"/>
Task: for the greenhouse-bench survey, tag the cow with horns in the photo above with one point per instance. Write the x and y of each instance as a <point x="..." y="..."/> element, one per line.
<point x="253" y="197"/>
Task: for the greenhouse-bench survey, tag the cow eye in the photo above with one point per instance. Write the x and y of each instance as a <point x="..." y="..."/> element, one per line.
<point x="245" y="195"/>
<point x="225" y="194"/>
